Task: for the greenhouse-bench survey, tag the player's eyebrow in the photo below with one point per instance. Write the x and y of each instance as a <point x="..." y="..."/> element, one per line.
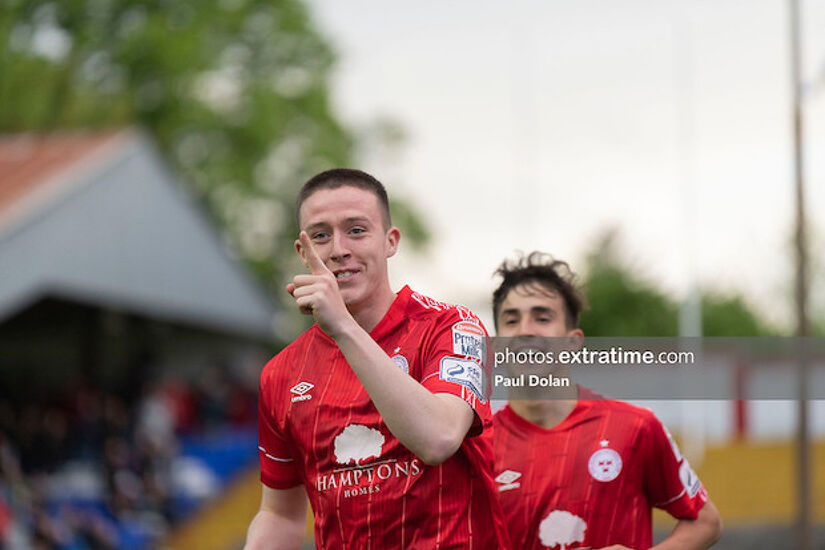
<point x="358" y="219"/>
<point x="318" y="225"/>
<point x="347" y="221"/>
<point x="535" y="310"/>
<point x="538" y="310"/>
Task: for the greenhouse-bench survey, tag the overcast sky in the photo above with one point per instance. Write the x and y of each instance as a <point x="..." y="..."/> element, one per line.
<point x="538" y="124"/>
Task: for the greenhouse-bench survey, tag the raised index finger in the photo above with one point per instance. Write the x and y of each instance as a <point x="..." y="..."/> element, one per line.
<point x="316" y="265"/>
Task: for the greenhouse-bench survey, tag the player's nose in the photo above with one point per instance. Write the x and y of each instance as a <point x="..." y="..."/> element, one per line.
<point x="527" y="328"/>
<point x="339" y="249"/>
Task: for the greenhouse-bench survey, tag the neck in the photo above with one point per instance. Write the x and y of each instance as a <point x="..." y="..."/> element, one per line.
<point x="549" y="413"/>
<point x="372" y="310"/>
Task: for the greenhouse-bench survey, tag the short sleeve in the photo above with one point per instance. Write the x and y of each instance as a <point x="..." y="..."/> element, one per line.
<point x="278" y="467"/>
<point x="670" y="482"/>
<point x="453" y="362"/>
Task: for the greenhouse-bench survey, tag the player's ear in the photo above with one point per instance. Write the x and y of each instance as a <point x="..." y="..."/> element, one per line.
<point x="392" y="240"/>
<point x="300" y="251"/>
<point x="576" y="337"/>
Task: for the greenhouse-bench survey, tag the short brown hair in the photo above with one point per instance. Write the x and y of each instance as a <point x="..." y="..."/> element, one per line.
<point x="341" y="177"/>
<point x="542" y="269"/>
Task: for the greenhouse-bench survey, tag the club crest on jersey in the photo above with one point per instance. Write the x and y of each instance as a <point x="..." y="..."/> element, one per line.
<point x="507" y="480"/>
<point x="300" y="390"/>
<point x="402" y="362"/>
<point x="468" y="340"/>
<point x="605" y="464"/>
<point x="466" y="372"/>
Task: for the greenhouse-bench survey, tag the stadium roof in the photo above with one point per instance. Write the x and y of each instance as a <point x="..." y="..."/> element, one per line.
<point x="98" y="218"/>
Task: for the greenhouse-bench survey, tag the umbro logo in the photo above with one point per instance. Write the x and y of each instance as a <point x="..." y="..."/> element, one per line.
<point x="507" y="480"/>
<point x="300" y="390"/>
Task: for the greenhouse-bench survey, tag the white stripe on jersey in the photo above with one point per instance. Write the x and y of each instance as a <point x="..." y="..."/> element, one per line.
<point x="275" y="458"/>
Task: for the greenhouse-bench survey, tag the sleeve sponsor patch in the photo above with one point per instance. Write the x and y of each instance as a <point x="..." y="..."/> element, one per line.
<point x="689" y="479"/>
<point x="468" y="340"/>
<point x="466" y="372"/>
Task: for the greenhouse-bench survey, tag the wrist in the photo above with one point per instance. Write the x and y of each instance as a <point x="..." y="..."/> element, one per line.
<point x="344" y="330"/>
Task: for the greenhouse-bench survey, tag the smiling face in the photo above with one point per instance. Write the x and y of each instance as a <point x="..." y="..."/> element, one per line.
<point x="532" y="309"/>
<point x="347" y="230"/>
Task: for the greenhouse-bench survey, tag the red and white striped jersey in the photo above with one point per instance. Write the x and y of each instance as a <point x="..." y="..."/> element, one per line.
<point x="592" y="480"/>
<point x="318" y="427"/>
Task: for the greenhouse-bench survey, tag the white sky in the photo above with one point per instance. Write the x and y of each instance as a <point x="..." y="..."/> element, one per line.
<point x="536" y="124"/>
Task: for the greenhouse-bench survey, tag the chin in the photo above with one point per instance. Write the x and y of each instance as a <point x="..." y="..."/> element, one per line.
<point x="353" y="297"/>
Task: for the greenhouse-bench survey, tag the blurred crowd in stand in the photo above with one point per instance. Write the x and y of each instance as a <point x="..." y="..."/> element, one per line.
<point x="93" y="468"/>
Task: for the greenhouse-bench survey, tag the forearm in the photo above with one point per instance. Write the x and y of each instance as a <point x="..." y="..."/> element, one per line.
<point x="697" y="534"/>
<point x="269" y="531"/>
<point x="430" y="425"/>
<point x="280" y="523"/>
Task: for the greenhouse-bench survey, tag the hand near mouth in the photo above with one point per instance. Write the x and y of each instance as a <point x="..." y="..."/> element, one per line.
<point x="317" y="294"/>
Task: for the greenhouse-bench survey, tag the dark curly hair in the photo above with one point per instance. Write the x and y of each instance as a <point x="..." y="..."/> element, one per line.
<point x="540" y="268"/>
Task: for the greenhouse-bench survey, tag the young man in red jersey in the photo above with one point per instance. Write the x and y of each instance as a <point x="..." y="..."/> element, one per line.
<point x="374" y="412"/>
<point x="574" y="470"/>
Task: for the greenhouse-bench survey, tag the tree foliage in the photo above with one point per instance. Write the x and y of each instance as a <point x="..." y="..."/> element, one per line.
<point x="730" y="315"/>
<point x="621" y="302"/>
<point x="624" y="303"/>
<point x="234" y="92"/>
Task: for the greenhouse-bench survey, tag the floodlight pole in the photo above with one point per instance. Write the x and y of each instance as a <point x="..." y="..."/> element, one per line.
<point x="801" y="290"/>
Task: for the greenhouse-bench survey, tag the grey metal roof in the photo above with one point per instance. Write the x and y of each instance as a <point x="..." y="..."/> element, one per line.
<point x="117" y="230"/>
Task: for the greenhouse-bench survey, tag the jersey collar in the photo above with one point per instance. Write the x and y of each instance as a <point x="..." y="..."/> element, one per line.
<point x="583" y="405"/>
<point x="394" y="316"/>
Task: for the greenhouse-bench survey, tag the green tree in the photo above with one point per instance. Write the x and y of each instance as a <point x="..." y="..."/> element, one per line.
<point x="234" y="92"/>
<point x="623" y="303"/>
<point x="730" y="315"/>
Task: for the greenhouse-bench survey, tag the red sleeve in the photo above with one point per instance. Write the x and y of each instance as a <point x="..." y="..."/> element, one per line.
<point x="454" y="362"/>
<point x="278" y="467"/>
<point x="670" y="482"/>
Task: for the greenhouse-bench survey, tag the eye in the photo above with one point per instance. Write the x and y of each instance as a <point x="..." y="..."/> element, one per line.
<point x="320" y="236"/>
<point x="357" y="230"/>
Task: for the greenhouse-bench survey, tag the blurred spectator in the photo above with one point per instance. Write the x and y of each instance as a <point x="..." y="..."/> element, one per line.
<point x="212" y="396"/>
<point x="88" y="467"/>
<point x="88" y="422"/>
<point x="156" y="419"/>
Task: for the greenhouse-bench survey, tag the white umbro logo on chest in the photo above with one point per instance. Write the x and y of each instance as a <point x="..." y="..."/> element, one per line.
<point x="507" y="480"/>
<point x="300" y="390"/>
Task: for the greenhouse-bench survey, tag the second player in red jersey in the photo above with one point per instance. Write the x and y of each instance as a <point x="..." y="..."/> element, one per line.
<point x="575" y="471"/>
<point x="592" y="480"/>
<point x="375" y="413"/>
